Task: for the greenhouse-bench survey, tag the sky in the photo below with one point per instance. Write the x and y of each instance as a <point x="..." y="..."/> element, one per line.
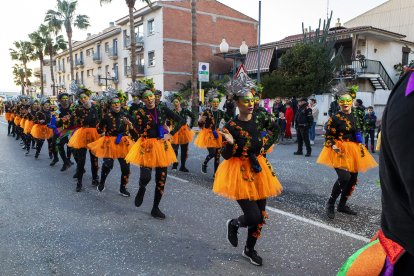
<point x="280" y="18"/>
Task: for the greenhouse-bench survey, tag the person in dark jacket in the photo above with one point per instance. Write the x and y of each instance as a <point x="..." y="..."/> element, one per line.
<point x="229" y="107"/>
<point x="303" y="122"/>
<point x="370" y="120"/>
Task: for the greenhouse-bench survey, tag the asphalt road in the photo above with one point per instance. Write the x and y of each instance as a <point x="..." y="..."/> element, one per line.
<point x="46" y="228"/>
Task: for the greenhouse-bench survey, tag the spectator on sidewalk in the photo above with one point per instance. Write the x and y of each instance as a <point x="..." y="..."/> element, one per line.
<point x="229" y="107"/>
<point x="294" y="105"/>
<point x="303" y="121"/>
<point x="359" y="104"/>
<point x="315" y="114"/>
<point x="334" y="107"/>
<point x="370" y="120"/>
<point x="278" y="107"/>
<point x="266" y="106"/>
<point x="289" y="119"/>
<point x="281" y="122"/>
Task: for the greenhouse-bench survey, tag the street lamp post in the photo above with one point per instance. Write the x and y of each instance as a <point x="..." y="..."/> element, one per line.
<point x="112" y="78"/>
<point x="224" y="49"/>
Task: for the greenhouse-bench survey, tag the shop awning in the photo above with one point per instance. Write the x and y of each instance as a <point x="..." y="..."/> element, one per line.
<point x="265" y="59"/>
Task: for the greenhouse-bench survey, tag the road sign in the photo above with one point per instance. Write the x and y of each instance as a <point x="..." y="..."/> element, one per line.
<point x="203" y="72"/>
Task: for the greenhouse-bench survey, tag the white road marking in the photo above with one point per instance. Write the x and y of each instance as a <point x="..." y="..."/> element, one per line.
<point x="319" y="224"/>
<point x="177" y="178"/>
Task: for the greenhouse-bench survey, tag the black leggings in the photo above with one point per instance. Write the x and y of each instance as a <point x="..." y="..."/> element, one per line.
<point x="344" y="186"/>
<point x="10" y="127"/>
<point x="160" y="178"/>
<point x="108" y="164"/>
<point x="370" y="136"/>
<point x="184" y="153"/>
<point x="254" y="214"/>
<point x="213" y="153"/>
<point x="80" y="166"/>
<point x="64" y="155"/>
<point x="50" y="145"/>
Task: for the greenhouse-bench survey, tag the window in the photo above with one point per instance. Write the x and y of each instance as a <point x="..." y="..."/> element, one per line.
<point x="405" y="54"/>
<point x="125" y="66"/>
<point x="151" y="58"/>
<point x="139" y="32"/>
<point x="125" y="38"/>
<point x="98" y="50"/>
<point x="115" y="47"/>
<point x="81" y="79"/>
<point x="60" y="79"/>
<point x="150" y="27"/>
<point x="76" y="59"/>
<point x="77" y="77"/>
<point x="89" y="72"/>
<point x="116" y="70"/>
<point x="106" y="71"/>
<point x="81" y="56"/>
<point x="106" y="47"/>
<point x="100" y="71"/>
<point x="140" y="59"/>
<point x="67" y="59"/>
<point x="89" y="52"/>
<point x="63" y="64"/>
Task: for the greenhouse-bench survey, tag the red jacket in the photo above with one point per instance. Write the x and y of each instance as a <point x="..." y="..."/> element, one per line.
<point x="289" y="114"/>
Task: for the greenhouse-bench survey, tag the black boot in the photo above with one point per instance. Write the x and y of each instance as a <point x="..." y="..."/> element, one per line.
<point x="79" y="186"/>
<point x="55" y="160"/>
<point x="65" y="166"/>
<point x="343" y="208"/>
<point x="123" y="191"/>
<point x="156" y="212"/>
<point x="252" y="255"/>
<point x="232" y="231"/>
<point x="140" y="196"/>
<point x="174" y="166"/>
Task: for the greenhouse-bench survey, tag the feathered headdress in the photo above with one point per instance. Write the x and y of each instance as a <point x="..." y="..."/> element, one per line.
<point x="241" y="85"/>
<point x="213" y="93"/>
<point x="137" y="88"/>
<point x="78" y="90"/>
<point x="174" y="95"/>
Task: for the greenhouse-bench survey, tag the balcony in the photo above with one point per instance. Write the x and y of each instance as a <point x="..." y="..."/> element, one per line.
<point x="139" y="40"/>
<point x="61" y="70"/>
<point x="113" y="53"/>
<point x="79" y="64"/>
<point x="139" y="70"/>
<point x="97" y="58"/>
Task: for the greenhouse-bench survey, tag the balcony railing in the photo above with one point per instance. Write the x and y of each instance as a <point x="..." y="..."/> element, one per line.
<point x="360" y="67"/>
<point x="139" y="40"/>
<point x="97" y="58"/>
<point x="113" y="53"/>
<point x="139" y="70"/>
<point x="79" y="63"/>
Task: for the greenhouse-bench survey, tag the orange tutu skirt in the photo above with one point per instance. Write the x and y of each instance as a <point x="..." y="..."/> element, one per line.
<point x="28" y="125"/>
<point x="205" y="139"/>
<point x="22" y="122"/>
<point x="235" y="179"/>
<point x="82" y="137"/>
<point x="105" y="147"/>
<point x="151" y="153"/>
<point x="17" y="120"/>
<point x="8" y="116"/>
<point x="353" y="157"/>
<point x="41" y="132"/>
<point x="183" y="136"/>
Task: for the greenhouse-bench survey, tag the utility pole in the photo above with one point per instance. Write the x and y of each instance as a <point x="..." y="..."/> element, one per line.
<point x="194" y="65"/>
<point x="258" y="42"/>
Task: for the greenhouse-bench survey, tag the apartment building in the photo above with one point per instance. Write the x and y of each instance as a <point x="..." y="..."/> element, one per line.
<point x="163" y="37"/>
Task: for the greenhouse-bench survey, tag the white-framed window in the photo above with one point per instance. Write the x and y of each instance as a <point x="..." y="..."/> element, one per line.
<point x="89" y="72"/>
<point x="151" y="58"/>
<point x="116" y="70"/>
<point x="125" y="66"/>
<point x="125" y="38"/>
<point x="150" y="27"/>
<point x="106" y="47"/>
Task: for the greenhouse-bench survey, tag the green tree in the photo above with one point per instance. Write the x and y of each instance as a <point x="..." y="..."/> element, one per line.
<point x="23" y="52"/>
<point x="131" y="6"/>
<point x="19" y="76"/>
<point x="65" y="15"/>
<point x="39" y="42"/>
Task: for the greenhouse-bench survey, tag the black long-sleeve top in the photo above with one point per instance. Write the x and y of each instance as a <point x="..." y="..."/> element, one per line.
<point x="147" y="120"/>
<point x="85" y="117"/>
<point x="247" y="139"/>
<point x="113" y="124"/>
<point x="303" y="117"/>
<point x="341" y="127"/>
<point x="213" y="118"/>
<point x="185" y="113"/>
<point x="62" y="113"/>
<point x="46" y="116"/>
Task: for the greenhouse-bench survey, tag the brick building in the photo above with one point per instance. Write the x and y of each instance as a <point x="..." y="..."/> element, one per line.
<point x="163" y="36"/>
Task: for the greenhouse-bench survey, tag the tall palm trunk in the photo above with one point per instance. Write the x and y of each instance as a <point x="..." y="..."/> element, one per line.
<point x="52" y="76"/>
<point x="131" y="4"/>
<point x="26" y="76"/>
<point x="41" y="75"/>
<point x="69" y="34"/>
<point x="22" y="83"/>
<point x="194" y="64"/>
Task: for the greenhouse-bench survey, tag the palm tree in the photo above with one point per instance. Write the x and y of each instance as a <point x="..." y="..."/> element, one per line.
<point x="19" y="74"/>
<point x="23" y="53"/>
<point x="39" y="40"/>
<point x="194" y="105"/>
<point x="65" y="16"/>
<point x="53" y="48"/>
<point x="131" y="6"/>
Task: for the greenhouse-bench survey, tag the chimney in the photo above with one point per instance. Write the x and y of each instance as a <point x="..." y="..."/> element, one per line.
<point x="111" y="24"/>
<point x="338" y="24"/>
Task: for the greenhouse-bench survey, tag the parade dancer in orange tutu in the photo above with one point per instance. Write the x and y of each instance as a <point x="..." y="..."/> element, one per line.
<point x="153" y="149"/>
<point x="209" y="137"/>
<point x="343" y="151"/>
<point x="115" y="144"/>
<point x="85" y="118"/>
<point x="246" y="175"/>
<point x="185" y="135"/>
